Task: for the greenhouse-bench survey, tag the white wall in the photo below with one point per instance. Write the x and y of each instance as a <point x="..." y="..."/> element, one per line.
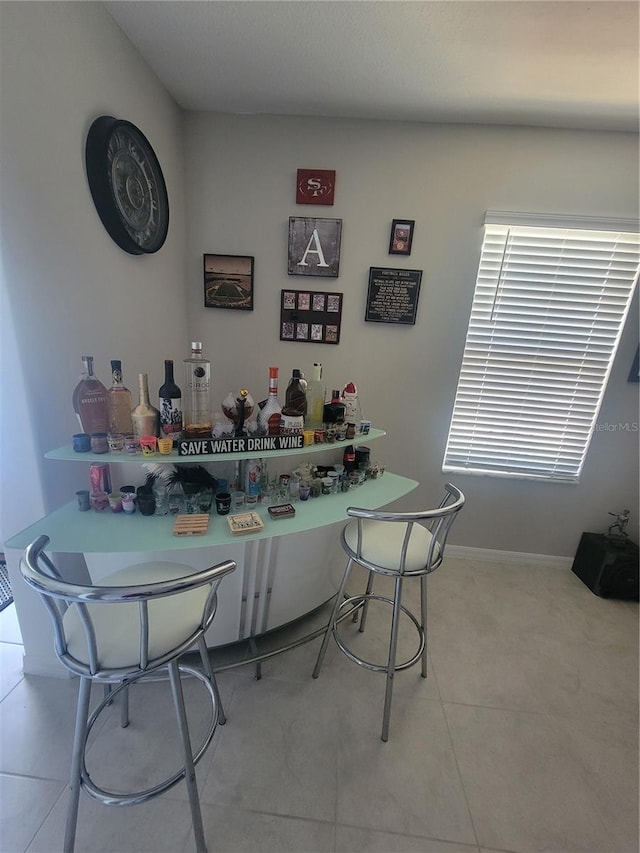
<point x="67" y="289"/>
<point x="240" y="179"/>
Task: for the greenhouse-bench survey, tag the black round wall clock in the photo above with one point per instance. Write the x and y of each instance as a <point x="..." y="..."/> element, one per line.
<point x="127" y="185"/>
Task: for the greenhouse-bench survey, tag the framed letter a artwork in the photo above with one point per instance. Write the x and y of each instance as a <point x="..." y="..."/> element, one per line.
<point x="314" y="246"/>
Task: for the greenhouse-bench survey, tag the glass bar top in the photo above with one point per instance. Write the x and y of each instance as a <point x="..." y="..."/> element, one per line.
<point x="72" y="531"/>
<point x="67" y="454"/>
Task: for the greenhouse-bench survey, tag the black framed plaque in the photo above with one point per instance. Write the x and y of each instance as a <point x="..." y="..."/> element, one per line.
<point x="392" y="296"/>
<point x="309" y="316"/>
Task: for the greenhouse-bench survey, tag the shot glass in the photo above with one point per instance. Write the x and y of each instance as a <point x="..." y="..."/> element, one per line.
<point x="115" y="442"/>
<point x="148" y="443"/>
<point x="223" y="503"/>
<point x="165" y="446"/>
<point x="83" y="500"/>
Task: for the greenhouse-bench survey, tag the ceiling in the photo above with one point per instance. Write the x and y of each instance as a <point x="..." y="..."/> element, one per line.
<point x="520" y="62"/>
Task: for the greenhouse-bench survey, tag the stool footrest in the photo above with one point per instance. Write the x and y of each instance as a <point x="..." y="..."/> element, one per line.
<point x="353" y="602"/>
<point x="112" y="798"/>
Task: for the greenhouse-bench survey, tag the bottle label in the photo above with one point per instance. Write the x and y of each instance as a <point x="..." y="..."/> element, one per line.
<point x="170" y="417"/>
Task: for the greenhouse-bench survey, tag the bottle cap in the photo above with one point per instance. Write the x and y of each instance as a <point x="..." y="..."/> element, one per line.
<point x="296" y="373"/>
<point x="196" y="345"/>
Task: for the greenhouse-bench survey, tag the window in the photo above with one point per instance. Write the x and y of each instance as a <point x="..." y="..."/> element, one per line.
<point x="551" y="299"/>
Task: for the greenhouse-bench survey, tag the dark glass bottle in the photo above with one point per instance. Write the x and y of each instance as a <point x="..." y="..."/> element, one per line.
<point x="170" y="399"/>
<point x="349" y="459"/>
<point x="334" y="411"/>
<point x="295" y="398"/>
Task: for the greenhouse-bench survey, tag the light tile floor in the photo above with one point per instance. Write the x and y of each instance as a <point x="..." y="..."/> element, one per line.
<point x="523" y="738"/>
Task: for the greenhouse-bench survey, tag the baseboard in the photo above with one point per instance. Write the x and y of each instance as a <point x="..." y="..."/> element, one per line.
<point x="513" y="557"/>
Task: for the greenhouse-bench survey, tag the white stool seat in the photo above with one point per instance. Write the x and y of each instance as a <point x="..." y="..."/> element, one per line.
<point x="117" y="626"/>
<point x="382" y="545"/>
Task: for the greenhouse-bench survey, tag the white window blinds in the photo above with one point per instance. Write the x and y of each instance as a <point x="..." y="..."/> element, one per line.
<point x="547" y="315"/>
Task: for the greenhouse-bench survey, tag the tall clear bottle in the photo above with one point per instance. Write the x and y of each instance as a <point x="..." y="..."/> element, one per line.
<point x="196" y="403"/>
<point x="90" y="400"/>
<point x="144" y="416"/>
<point x="120" y="403"/>
<point x="269" y="414"/>
<point x="316" y="393"/>
<point x="170" y="399"/>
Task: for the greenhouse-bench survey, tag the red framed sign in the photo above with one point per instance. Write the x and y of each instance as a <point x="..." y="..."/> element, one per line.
<point x="315" y="186"/>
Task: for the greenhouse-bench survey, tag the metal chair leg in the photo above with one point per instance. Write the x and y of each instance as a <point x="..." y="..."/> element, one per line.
<point x="208" y="671"/>
<point x="75" y="778"/>
<point x="365" y="606"/>
<point x="189" y="769"/>
<point x="391" y="663"/>
<point x="124" y="708"/>
<point x="423" y="614"/>
<point x="332" y="620"/>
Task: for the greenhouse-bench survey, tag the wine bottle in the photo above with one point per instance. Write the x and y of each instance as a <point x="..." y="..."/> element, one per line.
<point x="119" y="400"/>
<point x="316" y="393"/>
<point x="197" y="398"/>
<point x="144" y="416"/>
<point x="269" y="414"/>
<point x="170" y="400"/>
<point x="90" y="401"/>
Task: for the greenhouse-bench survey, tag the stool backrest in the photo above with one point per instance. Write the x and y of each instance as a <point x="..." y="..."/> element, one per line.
<point x="58" y="596"/>
<point x="437" y="521"/>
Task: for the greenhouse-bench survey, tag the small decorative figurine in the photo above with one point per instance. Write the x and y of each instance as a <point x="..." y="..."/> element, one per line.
<point x="621" y="521"/>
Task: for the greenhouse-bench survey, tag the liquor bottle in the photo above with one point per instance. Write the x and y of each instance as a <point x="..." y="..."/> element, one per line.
<point x="334" y="411"/>
<point x="316" y="392"/>
<point x="170" y="401"/>
<point x="144" y="416"/>
<point x="196" y="402"/>
<point x="90" y="400"/>
<point x="269" y="414"/>
<point x="120" y="404"/>
<point x="295" y="398"/>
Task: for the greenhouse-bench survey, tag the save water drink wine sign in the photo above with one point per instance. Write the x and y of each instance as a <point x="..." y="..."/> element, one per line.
<point x="239" y="444"/>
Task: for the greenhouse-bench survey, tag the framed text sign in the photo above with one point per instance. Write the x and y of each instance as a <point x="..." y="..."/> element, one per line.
<point x="393" y="295"/>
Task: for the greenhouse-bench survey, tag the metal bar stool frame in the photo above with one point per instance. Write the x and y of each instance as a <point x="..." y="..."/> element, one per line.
<point x="437" y="524"/>
<point x="59" y="597"/>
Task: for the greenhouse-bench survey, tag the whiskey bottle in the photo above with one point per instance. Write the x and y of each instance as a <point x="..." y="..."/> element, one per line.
<point x="119" y="400"/>
<point x="334" y="411"/>
<point x="170" y="399"/>
<point x="197" y="397"/>
<point x="316" y="392"/>
<point x="144" y="416"/>
<point x="295" y="398"/>
<point x="90" y="400"/>
<point x="269" y="414"/>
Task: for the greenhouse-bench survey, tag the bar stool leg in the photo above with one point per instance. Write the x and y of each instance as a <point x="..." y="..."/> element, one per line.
<point x="365" y="606"/>
<point x="208" y="671"/>
<point x="332" y="620"/>
<point x="124" y="708"/>
<point x="391" y="664"/>
<point x="75" y="778"/>
<point x="189" y="769"/>
<point x="423" y="614"/>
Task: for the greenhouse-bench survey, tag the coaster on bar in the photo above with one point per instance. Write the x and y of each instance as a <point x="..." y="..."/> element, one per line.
<point x="191" y="525"/>
<point x="245" y="522"/>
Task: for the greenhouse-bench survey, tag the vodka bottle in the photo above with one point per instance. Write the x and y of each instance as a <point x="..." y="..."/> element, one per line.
<point x="170" y="400"/>
<point x="316" y="392"/>
<point x="269" y="414"/>
<point x="119" y="402"/>
<point x="144" y="416"/>
<point x="196" y="403"/>
<point x="90" y="400"/>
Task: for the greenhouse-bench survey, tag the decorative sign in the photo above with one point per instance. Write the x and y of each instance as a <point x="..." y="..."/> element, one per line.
<point x="239" y="444"/>
<point x="228" y="282"/>
<point x="314" y="246"/>
<point x="393" y="295"/>
<point x="310" y="316"/>
<point x="315" y="186"/>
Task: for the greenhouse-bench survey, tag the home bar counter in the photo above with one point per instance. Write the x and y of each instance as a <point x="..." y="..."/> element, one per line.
<point x="285" y="570"/>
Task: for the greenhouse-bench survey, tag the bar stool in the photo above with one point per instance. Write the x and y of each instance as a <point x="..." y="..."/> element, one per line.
<point x="119" y="633"/>
<point x="399" y="545"/>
